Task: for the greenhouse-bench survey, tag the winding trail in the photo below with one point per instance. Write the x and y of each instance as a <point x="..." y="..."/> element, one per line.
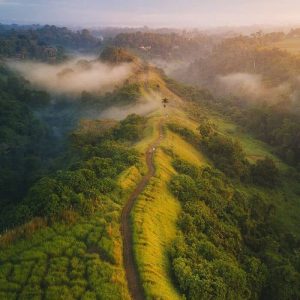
<point x="132" y="275"/>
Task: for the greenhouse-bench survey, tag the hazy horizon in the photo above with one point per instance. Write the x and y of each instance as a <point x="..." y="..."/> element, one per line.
<point x="137" y="13"/>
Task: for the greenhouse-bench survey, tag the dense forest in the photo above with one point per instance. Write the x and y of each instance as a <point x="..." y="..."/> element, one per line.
<point x="44" y="42"/>
<point x="246" y="54"/>
<point x="24" y="138"/>
<point x="167" y="46"/>
<point x="249" y="262"/>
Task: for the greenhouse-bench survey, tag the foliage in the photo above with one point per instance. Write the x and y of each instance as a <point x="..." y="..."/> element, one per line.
<point x="89" y="180"/>
<point x="24" y="154"/>
<point x="226" y="154"/>
<point x="245" y="54"/>
<point x="277" y="127"/>
<point x="67" y="261"/>
<point x="131" y="128"/>
<point x="225" y="248"/>
<point x="265" y="172"/>
<point x="117" y="55"/>
<point x="44" y="42"/>
<point x="164" y="45"/>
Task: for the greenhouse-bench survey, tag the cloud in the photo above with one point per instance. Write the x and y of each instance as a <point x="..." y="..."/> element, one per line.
<point x="241" y="84"/>
<point x="73" y="77"/>
<point x="149" y="103"/>
<point x="251" y="87"/>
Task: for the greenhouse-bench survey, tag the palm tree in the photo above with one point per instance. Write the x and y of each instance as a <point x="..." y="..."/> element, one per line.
<point x="165" y="101"/>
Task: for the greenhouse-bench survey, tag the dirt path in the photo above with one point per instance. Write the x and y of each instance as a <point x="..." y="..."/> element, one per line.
<point x="134" y="284"/>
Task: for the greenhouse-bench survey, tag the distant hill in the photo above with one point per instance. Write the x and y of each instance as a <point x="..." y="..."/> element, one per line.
<point x="117" y="55"/>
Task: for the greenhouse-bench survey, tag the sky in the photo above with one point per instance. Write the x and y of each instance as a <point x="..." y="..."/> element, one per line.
<point x="155" y="13"/>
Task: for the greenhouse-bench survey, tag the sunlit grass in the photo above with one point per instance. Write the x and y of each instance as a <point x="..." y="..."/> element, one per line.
<point x="183" y="149"/>
<point x="129" y="178"/>
<point x="154" y="222"/>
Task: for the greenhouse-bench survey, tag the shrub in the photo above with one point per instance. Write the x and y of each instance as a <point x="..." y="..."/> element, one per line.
<point x="265" y="172"/>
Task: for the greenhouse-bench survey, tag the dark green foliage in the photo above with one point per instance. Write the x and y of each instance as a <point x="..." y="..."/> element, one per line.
<point x="131" y="128"/>
<point x="188" y="134"/>
<point x="24" y="154"/>
<point x="27" y="45"/>
<point x="183" y="167"/>
<point x="206" y="128"/>
<point x="229" y="248"/>
<point x="184" y="187"/>
<point x="227" y="155"/>
<point x="44" y="43"/>
<point x="128" y="93"/>
<point x="65" y="37"/>
<point x="278" y="128"/>
<point x="265" y="172"/>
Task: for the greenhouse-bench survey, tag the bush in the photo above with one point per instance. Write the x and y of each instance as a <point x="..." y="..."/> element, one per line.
<point x="184" y="187"/>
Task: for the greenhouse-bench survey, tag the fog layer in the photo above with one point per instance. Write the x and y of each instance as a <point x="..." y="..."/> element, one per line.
<point x="251" y="87"/>
<point x="74" y="76"/>
<point x="149" y="103"/>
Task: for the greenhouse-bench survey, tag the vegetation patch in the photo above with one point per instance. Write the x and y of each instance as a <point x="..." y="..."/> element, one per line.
<point x="226" y="237"/>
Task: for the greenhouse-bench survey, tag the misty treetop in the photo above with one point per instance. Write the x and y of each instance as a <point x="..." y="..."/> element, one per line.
<point x="45" y="43"/>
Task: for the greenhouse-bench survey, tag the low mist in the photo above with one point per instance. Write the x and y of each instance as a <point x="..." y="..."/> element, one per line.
<point x="74" y="76"/>
<point x="149" y="103"/>
<point x="251" y="87"/>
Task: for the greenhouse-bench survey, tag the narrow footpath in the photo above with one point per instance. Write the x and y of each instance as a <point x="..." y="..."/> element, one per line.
<point x="133" y="279"/>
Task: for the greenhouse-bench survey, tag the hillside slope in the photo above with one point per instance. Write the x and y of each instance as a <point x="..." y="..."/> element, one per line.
<point x="212" y="222"/>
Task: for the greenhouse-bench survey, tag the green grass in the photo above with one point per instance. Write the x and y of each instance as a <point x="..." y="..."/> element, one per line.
<point x="154" y="220"/>
<point x="150" y="133"/>
<point x="183" y="149"/>
<point x="78" y="261"/>
<point x="154" y="224"/>
<point x="129" y="178"/>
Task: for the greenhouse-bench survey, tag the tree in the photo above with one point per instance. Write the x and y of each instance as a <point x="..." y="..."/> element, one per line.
<point x="265" y="172"/>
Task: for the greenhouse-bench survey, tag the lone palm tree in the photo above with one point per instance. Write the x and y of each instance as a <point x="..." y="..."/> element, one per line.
<point x="165" y="101"/>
